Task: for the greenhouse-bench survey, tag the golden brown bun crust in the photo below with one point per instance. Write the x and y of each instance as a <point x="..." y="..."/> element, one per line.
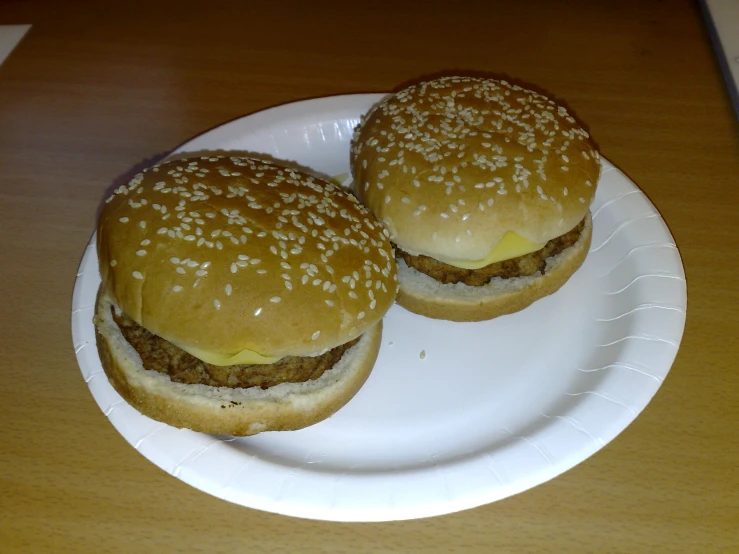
<point x="422" y="295"/>
<point x="449" y="166"/>
<point x="239" y="412"/>
<point x="227" y="253"/>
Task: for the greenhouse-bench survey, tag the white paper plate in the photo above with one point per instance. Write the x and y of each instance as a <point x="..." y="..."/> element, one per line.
<point x="454" y="415"/>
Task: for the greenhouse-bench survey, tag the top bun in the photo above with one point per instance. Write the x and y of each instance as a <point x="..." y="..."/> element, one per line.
<point x="231" y="253"/>
<point x="449" y="166"/>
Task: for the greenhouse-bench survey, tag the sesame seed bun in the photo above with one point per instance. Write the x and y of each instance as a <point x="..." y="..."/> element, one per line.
<point x="220" y="254"/>
<point x="232" y="411"/>
<point x="231" y="253"/>
<point x="451" y="165"/>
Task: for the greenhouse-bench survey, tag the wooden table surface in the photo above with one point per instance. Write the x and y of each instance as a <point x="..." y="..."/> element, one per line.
<point x="94" y="90"/>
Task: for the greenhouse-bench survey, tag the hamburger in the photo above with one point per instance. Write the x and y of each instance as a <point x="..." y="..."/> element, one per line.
<point x="238" y="295"/>
<point x="485" y="189"/>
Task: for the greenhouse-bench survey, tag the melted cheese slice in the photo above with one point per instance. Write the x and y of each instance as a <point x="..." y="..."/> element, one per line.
<point x="510" y="246"/>
<point x="219" y="358"/>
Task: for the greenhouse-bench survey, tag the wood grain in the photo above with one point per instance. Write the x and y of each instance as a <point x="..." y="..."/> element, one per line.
<point x="95" y="91"/>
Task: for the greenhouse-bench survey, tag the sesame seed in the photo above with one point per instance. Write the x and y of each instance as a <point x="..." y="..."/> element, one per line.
<point x="141" y="252"/>
<point x="257" y="311"/>
<point x="315" y="335"/>
<point x="216" y="304"/>
<point x="137" y="275"/>
<point x="275" y="299"/>
<point x="180" y="270"/>
<point x="176" y="288"/>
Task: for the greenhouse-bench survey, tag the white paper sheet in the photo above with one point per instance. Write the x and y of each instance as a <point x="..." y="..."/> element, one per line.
<point x="10" y="36"/>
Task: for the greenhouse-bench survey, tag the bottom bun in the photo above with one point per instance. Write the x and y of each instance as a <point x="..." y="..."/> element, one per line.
<point x="230" y="411"/>
<point x="423" y="295"/>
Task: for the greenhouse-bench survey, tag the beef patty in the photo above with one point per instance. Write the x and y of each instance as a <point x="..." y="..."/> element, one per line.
<point x="529" y="264"/>
<point x="182" y="367"/>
